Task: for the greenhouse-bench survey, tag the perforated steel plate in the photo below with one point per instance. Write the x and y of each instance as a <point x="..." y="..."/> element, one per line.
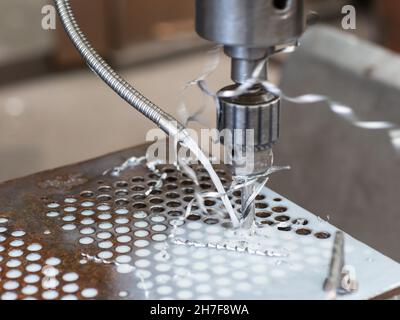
<point x="73" y="233"/>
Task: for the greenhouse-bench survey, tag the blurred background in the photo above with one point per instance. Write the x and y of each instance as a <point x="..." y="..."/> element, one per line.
<point x="54" y="111"/>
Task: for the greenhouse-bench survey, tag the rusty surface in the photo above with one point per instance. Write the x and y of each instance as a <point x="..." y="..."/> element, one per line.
<point x="28" y="216"/>
<point x="22" y="203"/>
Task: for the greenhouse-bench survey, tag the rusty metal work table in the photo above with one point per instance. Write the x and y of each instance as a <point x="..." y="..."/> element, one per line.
<point x="75" y="233"/>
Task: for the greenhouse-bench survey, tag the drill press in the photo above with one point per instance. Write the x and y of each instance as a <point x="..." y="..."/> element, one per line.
<point x="250" y="31"/>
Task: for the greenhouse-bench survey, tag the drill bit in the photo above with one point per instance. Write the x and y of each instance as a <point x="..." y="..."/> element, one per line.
<point x="248" y="209"/>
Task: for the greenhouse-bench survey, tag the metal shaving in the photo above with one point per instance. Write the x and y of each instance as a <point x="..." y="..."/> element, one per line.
<point x="243" y="248"/>
<point x="212" y="63"/>
<point x="95" y="259"/>
<point x="341" y="110"/>
<point x="128" y="164"/>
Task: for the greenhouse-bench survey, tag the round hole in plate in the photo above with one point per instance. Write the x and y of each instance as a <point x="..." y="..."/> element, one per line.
<point x="201" y="170"/>
<point x="87" y="212"/>
<point x="121" y="192"/>
<point x="279" y="209"/>
<point x="140" y="215"/>
<point x="268" y="222"/>
<point x="176" y="222"/>
<point x="282" y="218"/>
<point x="157" y="209"/>
<point x="173" y="204"/>
<point x="3" y="220"/>
<point x="89" y="293"/>
<point x="86" y="240"/>
<point x="70" y="200"/>
<point x="103" y="207"/>
<point x="260" y="197"/>
<point x="139" y="205"/>
<point x="175" y="213"/>
<point x="285" y="228"/>
<point x="263" y="214"/>
<point x="322" y="235"/>
<point x="122" y="220"/>
<point x="121" y="202"/>
<point x="68" y="227"/>
<point x="188" y="198"/>
<point x="104" y="197"/>
<point x="171" y="186"/>
<point x="169" y="170"/>
<point x="53" y="261"/>
<point x="151" y="183"/>
<point x="209" y="203"/>
<point x="139" y="196"/>
<point x="137" y="179"/>
<point x="188" y="190"/>
<point x="53" y="205"/>
<point x="141" y="233"/>
<point x="158" y="218"/>
<point x="153" y="176"/>
<point x="121" y="211"/>
<point x="159" y="237"/>
<point x="138" y="188"/>
<point x="211" y="212"/>
<point x="172" y="195"/>
<point x="87" y="194"/>
<point x="104" y="189"/>
<point x="87" y="204"/>
<point x="220" y="172"/>
<point x="187" y="182"/>
<point x="205" y="185"/>
<point x="121" y="184"/>
<point x="159" y="227"/>
<point x="18" y="233"/>
<point x="211" y="221"/>
<point x="237" y="193"/>
<point x="193" y="217"/>
<point x="282" y="5"/>
<point x="227" y="225"/>
<point x="303" y="232"/>
<point x="171" y="179"/>
<point x="156" y="200"/>
<point x="52" y="214"/>
<point x="155" y="192"/>
<point x="261" y="205"/>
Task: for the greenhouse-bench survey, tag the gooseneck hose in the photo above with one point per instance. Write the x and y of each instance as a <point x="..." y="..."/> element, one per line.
<point x="97" y="64"/>
<point x="162" y="119"/>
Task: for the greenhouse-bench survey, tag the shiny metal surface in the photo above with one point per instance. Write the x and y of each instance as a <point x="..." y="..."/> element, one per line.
<point x="74" y="233"/>
<point x="249" y="30"/>
<point x="255" y="115"/>
<point x="250" y="23"/>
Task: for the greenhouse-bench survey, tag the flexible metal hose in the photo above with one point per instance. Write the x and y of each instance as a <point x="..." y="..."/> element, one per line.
<point x="110" y="77"/>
